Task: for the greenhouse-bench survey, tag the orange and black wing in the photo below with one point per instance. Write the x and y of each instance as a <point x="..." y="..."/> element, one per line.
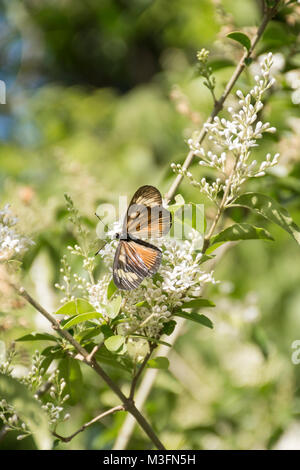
<point x="146" y="217"/>
<point x="134" y="260"/>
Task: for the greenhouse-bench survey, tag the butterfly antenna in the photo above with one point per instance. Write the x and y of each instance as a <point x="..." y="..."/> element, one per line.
<point x="106" y="226"/>
<point x="100" y="249"/>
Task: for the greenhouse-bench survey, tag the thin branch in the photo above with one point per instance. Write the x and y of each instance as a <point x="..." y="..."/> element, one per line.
<point x="86" y="425"/>
<point x="139" y="372"/>
<point x="84" y="356"/>
<point x="268" y="15"/>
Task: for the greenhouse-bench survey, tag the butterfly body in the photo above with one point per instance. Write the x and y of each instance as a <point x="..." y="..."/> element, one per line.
<point x="136" y="258"/>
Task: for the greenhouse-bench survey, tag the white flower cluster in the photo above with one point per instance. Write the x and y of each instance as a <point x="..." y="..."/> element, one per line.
<point x="11" y="421"/>
<point x="235" y="137"/>
<point x="179" y="279"/>
<point x="11" y="242"/>
<point x="54" y="410"/>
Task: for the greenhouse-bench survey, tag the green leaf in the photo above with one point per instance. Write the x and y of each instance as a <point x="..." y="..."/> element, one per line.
<point x="90" y="333"/>
<point x="112" y="360"/>
<point x="75" y="319"/>
<point x="75" y="307"/>
<point x="114" y="343"/>
<point x="212" y="248"/>
<point x="111" y="289"/>
<point x="28" y="409"/>
<point x="206" y="257"/>
<point x="179" y="202"/>
<point x="242" y="38"/>
<point x="271" y="210"/>
<point x="168" y="327"/>
<point x="241" y="232"/>
<point x="51" y="353"/>
<point x="152" y="340"/>
<point x="69" y="369"/>
<point x="158" y="363"/>
<point x="113" y="307"/>
<point x="197" y="303"/>
<point x="38" y="337"/>
<point x="195" y="317"/>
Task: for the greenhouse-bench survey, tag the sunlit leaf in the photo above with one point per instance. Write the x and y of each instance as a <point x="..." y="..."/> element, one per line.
<point x="111" y="289"/>
<point x="75" y="307"/>
<point x="158" y="363"/>
<point x="114" y="343"/>
<point x="113" y="307"/>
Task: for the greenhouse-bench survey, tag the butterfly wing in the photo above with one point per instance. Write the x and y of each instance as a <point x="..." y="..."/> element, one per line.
<point x="146" y="217"/>
<point x="134" y="260"/>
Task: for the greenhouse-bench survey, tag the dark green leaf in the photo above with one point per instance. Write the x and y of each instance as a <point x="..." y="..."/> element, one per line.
<point x="241" y="38"/>
<point x="270" y="209"/>
<point x="81" y="318"/>
<point x="38" y="337"/>
<point x="168" y="327"/>
<point x="69" y="369"/>
<point x="195" y="317"/>
<point x="197" y="303"/>
<point x="241" y="232"/>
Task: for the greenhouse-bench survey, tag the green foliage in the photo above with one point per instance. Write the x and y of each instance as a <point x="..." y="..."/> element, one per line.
<point x="195" y="317"/>
<point x="241" y="38"/>
<point x="270" y="209"/>
<point x="70" y="371"/>
<point x="28" y="409"/>
<point x="241" y="232"/>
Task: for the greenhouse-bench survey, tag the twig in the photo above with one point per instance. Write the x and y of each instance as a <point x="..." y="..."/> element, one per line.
<point x="86" y="425"/>
<point x="128" y="404"/>
<point x="139" y="372"/>
<point x="268" y="15"/>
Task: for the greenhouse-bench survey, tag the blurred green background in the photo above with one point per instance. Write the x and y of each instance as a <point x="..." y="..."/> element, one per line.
<point x="101" y="97"/>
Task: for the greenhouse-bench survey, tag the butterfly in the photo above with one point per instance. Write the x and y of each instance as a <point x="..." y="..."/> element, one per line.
<point x="136" y="259"/>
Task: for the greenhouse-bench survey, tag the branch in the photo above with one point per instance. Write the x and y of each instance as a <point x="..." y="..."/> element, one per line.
<point x="86" y="425"/>
<point x="128" y="403"/>
<point x="268" y="15"/>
